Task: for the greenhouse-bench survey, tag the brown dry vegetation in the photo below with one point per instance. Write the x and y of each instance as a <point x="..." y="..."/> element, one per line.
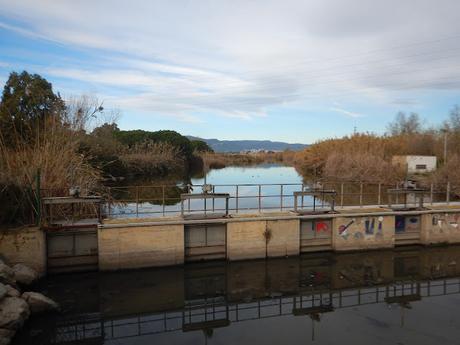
<point x="213" y="160"/>
<point x="152" y="159"/>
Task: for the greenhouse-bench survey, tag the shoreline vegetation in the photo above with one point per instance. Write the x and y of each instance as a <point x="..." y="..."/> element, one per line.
<point x="54" y="145"/>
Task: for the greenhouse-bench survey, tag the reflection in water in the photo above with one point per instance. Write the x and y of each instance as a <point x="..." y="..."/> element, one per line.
<point x="383" y="297"/>
<point x="156" y="198"/>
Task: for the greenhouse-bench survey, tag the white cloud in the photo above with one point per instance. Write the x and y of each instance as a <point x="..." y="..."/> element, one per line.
<point x="238" y="58"/>
<point x="347" y="112"/>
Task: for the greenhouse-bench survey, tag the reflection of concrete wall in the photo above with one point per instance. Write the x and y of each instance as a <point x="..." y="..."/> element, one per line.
<point x="356" y="269"/>
<point x="262" y="278"/>
<point x="440" y="262"/>
<point x="360" y="233"/>
<point x="26" y="246"/>
<point x="137" y="247"/>
<point x="138" y="292"/>
<point x="440" y="228"/>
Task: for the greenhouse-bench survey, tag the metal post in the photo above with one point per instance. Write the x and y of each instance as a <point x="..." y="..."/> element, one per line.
<point x="38" y="196"/>
<point x="448" y="193"/>
<point x="341" y="194"/>
<point x="189" y="190"/>
<point x="213" y="200"/>
<point x="137" y="201"/>
<point x="431" y="193"/>
<point x="281" y="199"/>
<point x="260" y="201"/>
<point x="164" y="204"/>
<point x="361" y="195"/>
<point x="303" y="189"/>
<point x="236" y="200"/>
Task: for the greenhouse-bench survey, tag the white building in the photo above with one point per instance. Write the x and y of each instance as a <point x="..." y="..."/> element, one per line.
<point x="416" y="164"/>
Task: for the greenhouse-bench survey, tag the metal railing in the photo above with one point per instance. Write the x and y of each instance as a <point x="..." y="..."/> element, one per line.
<point x="165" y="200"/>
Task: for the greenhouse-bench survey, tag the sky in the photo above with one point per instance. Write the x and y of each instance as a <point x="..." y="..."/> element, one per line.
<point x="287" y="70"/>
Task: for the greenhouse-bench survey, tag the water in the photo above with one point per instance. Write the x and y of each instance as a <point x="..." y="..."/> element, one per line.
<point x="385" y="297"/>
<point x="158" y="200"/>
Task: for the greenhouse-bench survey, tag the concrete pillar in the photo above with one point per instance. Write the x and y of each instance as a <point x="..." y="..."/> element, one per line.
<point x="143" y="246"/>
<point x="438" y="228"/>
<point x="26" y="246"/>
<point x="283" y="238"/>
<point x="246" y="240"/>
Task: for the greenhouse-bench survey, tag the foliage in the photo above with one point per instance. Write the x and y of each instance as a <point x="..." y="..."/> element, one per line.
<point x="131" y="138"/>
<point x="28" y="101"/>
<point x="200" y="146"/>
<point x="151" y="159"/>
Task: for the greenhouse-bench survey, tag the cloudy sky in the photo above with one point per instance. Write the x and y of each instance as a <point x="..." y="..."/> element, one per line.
<point x="291" y="70"/>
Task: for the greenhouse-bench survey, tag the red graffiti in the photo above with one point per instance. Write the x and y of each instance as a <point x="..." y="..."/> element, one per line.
<point x="321" y="226"/>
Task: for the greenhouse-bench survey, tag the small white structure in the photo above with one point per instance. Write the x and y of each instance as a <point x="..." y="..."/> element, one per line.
<point x="416" y="164"/>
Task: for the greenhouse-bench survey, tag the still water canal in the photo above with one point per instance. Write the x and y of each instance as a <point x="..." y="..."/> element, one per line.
<point x="409" y="296"/>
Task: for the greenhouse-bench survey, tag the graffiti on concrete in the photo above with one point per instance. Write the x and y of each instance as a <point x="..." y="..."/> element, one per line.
<point x="363" y="227"/>
<point x="321" y="226"/>
<point x="442" y="221"/>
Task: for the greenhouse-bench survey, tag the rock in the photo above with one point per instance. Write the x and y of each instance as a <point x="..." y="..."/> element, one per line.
<point x="11" y="291"/>
<point x="24" y="274"/>
<point x="13" y="312"/>
<point x="3" y="291"/>
<point x="39" y="303"/>
<point x="6" y="335"/>
<point x="6" y="274"/>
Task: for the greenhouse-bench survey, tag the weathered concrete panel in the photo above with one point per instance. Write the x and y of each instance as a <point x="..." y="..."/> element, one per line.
<point x="283" y="237"/>
<point x="360" y="233"/>
<point x="26" y="246"/>
<point x="440" y="228"/>
<point x="246" y="240"/>
<point x="137" y="247"/>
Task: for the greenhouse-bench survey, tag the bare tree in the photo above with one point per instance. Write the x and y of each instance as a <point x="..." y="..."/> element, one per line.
<point x="405" y="124"/>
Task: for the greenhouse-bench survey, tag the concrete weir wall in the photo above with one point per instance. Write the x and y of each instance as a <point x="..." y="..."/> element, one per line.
<point x="138" y="243"/>
<point x="363" y="232"/>
<point x="439" y="228"/>
<point x="146" y="243"/>
<point x="140" y="246"/>
<point x="257" y="239"/>
<point x="25" y="246"/>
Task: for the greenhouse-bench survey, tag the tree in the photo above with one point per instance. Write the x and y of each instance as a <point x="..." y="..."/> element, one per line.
<point x="131" y="138"/>
<point x="27" y="103"/>
<point x="404" y="124"/>
<point x="201" y="146"/>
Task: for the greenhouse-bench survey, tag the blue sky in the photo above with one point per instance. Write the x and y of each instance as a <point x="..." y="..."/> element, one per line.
<point x="295" y="71"/>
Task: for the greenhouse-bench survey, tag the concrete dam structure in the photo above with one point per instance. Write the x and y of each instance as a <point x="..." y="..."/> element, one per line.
<point x="118" y="244"/>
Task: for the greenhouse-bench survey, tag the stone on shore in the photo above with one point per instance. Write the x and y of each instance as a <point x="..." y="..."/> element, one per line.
<point x="3" y="291"/>
<point x="6" y="335"/>
<point x="24" y="274"/>
<point x="6" y="274"/>
<point x="13" y="312"/>
<point x="11" y="291"/>
<point x="39" y="303"/>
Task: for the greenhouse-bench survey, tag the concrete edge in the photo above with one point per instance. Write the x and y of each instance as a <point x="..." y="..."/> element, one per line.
<point x="274" y="218"/>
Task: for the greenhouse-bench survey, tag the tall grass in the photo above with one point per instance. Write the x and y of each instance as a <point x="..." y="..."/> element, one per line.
<point x="221" y="160"/>
<point x="53" y="153"/>
<point x="153" y="159"/>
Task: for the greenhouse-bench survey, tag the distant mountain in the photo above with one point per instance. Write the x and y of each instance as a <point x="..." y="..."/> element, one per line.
<point x="246" y="145"/>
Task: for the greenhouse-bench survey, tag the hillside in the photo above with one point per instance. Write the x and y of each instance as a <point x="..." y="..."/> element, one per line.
<point x="245" y="145"/>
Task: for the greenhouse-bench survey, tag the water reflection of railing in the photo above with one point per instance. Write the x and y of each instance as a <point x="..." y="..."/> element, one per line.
<point x="163" y="200"/>
<point x="207" y="314"/>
